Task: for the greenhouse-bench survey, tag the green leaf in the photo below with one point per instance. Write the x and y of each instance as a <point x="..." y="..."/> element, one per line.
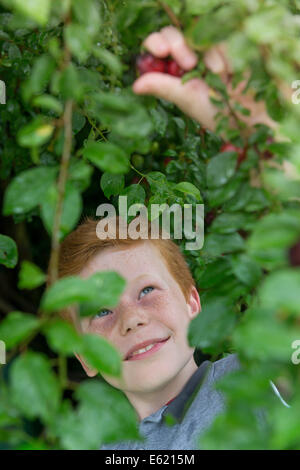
<point x="280" y="291"/>
<point x="8" y="251"/>
<point x="220" y="169"/>
<point x="135" y="194"/>
<point x="216" y="244"/>
<point x="276" y="181"/>
<point x="109" y="59"/>
<point x="78" y="41"/>
<point x="231" y="222"/>
<point x="30" y="276"/>
<point x="34" y="387"/>
<point x="78" y="122"/>
<point x="37" y="10"/>
<point x="260" y="336"/>
<point x="62" y="337"/>
<point x="40" y="76"/>
<point x="286" y="426"/>
<point x="213" y="273"/>
<point x="241" y="109"/>
<point x="103" y="289"/>
<point x="157" y="182"/>
<point x="188" y="188"/>
<point x="121" y="112"/>
<point x="72" y="207"/>
<point x="259" y="200"/>
<point x="80" y="173"/>
<point x="247" y="198"/>
<point x="160" y="119"/>
<point x="100" y="354"/>
<point x="120" y="422"/>
<point x="16" y="327"/>
<point x="48" y="102"/>
<point x="69" y="83"/>
<point x="264" y="26"/>
<point x="246" y="269"/>
<point x="215" y="82"/>
<point x="35" y="134"/>
<point x="34" y="444"/>
<point x="107" y="157"/>
<point x="109" y="285"/>
<point x="87" y="13"/>
<point x="198" y="7"/>
<point x="28" y="189"/>
<point x="112" y="184"/>
<point x="218" y="196"/>
<point x="272" y="236"/>
<point x="212" y="325"/>
<point x="67" y="291"/>
<point x="103" y="414"/>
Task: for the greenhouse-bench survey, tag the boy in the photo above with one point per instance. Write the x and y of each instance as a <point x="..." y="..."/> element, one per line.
<point x="156" y="308"/>
<point x="161" y="298"/>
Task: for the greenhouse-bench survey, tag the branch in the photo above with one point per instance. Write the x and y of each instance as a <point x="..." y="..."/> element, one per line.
<point x="170" y="14"/>
<point x="61" y="187"/>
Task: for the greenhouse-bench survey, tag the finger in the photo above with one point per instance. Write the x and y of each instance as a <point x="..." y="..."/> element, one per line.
<point x="181" y="52"/>
<point x="192" y="97"/>
<point x="160" y="85"/>
<point x="157" y="44"/>
<point x="214" y="61"/>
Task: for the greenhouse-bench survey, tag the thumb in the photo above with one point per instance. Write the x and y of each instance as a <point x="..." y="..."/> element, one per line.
<point x="160" y="85"/>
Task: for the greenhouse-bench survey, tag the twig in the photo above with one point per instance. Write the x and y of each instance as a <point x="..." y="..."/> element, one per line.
<point x="62" y="370"/>
<point x="95" y="127"/>
<point x="61" y="187"/>
<point x="143" y="176"/>
<point x="170" y="14"/>
<point x="63" y="173"/>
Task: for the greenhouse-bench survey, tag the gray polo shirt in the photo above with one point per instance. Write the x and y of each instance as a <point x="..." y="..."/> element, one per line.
<point x="193" y="410"/>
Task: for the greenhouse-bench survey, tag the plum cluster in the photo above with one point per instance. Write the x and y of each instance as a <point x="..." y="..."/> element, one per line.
<point x="148" y="63"/>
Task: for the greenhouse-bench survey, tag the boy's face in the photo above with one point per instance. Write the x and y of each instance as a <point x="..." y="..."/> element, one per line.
<point x="152" y="306"/>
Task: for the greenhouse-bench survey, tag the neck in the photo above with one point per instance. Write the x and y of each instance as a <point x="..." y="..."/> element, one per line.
<point x="149" y="402"/>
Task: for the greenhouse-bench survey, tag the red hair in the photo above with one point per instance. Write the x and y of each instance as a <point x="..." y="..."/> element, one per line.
<point x="83" y="243"/>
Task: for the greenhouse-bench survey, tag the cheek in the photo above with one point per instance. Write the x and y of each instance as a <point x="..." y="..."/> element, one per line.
<point x="98" y="327"/>
<point x="164" y="307"/>
<point x="104" y="326"/>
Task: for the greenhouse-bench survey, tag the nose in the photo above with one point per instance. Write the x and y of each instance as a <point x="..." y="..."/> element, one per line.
<point x="132" y="317"/>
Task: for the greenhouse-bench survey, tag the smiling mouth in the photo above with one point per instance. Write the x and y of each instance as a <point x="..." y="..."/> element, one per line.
<point x="156" y="347"/>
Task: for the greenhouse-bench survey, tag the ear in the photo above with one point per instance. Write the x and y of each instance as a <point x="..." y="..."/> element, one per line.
<point x="194" y="303"/>
<point x="89" y="371"/>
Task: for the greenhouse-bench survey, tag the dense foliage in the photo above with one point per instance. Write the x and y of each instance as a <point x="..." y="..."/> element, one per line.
<point x="74" y="135"/>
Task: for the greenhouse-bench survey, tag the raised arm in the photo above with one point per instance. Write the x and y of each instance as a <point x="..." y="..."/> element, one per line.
<point x="193" y="97"/>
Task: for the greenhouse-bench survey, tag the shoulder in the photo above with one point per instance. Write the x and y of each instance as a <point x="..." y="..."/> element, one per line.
<point x="226" y="365"/>
<point x="231" y="363"/>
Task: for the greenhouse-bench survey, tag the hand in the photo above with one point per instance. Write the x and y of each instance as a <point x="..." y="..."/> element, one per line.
<point x="193" y="97"/>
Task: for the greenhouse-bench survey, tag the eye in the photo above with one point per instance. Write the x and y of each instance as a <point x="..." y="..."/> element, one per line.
<point x="146" y="290"/>
<point x="99" y="315"/>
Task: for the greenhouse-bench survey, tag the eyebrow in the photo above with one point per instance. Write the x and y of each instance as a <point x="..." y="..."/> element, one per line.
<point x="145" y="276"/>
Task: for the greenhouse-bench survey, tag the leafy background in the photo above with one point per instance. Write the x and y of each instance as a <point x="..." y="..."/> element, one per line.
<point x="73" y="134"/>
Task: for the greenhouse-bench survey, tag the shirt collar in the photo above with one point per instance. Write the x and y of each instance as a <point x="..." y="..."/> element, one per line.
<point x="179" y="406"/>
<point x="181" y="402"/>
